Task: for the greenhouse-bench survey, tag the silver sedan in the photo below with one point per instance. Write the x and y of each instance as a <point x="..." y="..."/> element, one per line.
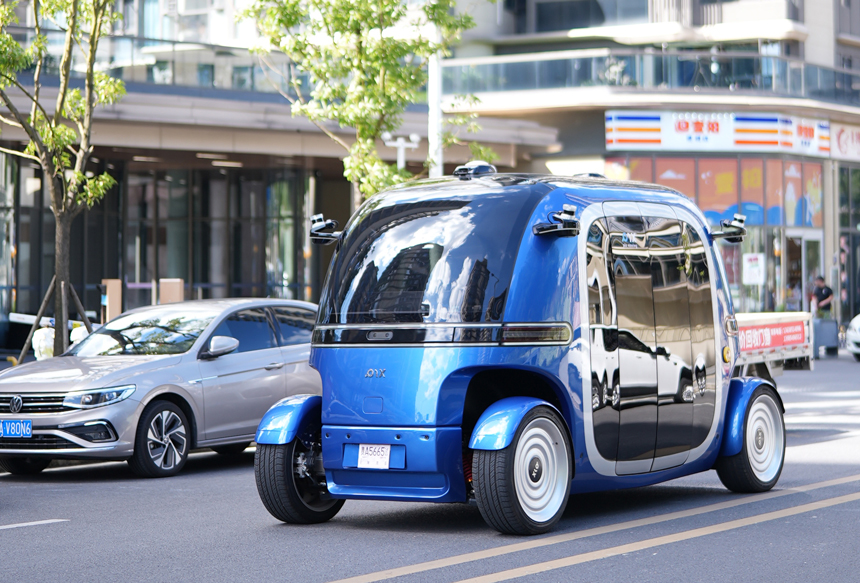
<point x="158" y="382"/>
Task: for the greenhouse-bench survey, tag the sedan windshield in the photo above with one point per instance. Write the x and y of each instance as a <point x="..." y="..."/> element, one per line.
<point x="159" y="331"/>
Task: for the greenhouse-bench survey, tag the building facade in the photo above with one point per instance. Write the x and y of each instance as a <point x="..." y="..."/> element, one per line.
<point x="748" y="106"/>
<point x="216" y="180"/>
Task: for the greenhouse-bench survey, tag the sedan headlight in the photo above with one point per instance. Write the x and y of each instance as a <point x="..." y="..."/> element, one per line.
<point x="98" y="398"/>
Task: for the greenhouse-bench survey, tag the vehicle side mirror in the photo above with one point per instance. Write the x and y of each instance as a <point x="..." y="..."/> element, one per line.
<point x="732" y="231"/>
<point x="219" y="346"/>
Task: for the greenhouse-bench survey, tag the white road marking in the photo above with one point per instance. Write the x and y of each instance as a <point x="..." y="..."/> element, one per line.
<point x="37" y="523"/>
<point x="567" y="537"/>
<point x="684" y="536"/>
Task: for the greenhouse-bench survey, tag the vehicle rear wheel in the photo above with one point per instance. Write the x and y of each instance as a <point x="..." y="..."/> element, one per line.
<point x="856" y="357"/>
<point x="24" y="466"/>
<point x="759" y="464"/>
<point x="291" y="485"/>
<point x="232" y="449"/>
<point x="161" y="444"/>
<point x="523" y="489"/>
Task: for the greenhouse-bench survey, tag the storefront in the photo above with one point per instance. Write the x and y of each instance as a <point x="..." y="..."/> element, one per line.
<point x="769" y="167"/>
<point x="846" y="152"/>
<point x="228" y="228"/>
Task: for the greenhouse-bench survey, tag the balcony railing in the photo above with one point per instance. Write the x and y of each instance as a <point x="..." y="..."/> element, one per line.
<point x="163" y="62"/>
<point x="679" y="71"/>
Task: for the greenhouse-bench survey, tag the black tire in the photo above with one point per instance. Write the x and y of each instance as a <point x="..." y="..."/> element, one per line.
<point x="494" y="476"/>
<point x="150" y="461"/>
<point x="232" y="449"/>
<point x="739" y="473"/>
<point x="831" y="351"/>
<point x="24" y="466"/>
<point x="288" y="497"/>
<point x="856" y="356"/>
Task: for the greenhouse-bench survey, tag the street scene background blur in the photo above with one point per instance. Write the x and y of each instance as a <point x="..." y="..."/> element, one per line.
<point x="748" y="106"/>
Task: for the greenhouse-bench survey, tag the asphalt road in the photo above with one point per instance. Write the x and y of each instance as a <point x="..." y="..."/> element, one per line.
<point x="208" y="523"/>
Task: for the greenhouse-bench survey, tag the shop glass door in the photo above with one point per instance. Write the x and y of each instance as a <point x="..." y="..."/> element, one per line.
<point x="803" y="265"/>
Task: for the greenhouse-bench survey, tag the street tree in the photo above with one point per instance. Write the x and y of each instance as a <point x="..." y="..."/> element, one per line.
<point x="51" y="96"/>
<point x="354" y="66"/>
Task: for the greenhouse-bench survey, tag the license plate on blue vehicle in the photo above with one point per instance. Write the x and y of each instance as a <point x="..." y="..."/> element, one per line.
<point x="16" y="428"/>
<point x="373" y="456"/>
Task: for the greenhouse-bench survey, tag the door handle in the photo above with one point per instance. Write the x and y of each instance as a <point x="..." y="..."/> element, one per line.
<point x="274" y="365"/>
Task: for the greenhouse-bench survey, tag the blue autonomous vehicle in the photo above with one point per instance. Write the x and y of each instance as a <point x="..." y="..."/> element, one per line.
<point x="507" y="340"/>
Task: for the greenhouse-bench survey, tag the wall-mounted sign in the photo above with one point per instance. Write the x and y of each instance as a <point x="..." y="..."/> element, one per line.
<point x="846" y="142"/>
<point x="753" y="272"/>
<point x="687" y="131"/>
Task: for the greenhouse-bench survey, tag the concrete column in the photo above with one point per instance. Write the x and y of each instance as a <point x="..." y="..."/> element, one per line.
<point x="111" y="301"/>
<point x="171" y="290"/>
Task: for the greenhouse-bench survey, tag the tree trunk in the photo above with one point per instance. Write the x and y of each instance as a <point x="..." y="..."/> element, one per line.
<point x="62" y="240"/>
<point x="357" y="197"/>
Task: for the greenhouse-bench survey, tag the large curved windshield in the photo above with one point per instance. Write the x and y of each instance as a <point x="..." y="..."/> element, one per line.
<point x="424" y="255"/>
<point x="157" y="331"/>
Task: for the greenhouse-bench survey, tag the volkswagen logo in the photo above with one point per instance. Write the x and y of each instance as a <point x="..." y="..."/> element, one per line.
<point x="16" y="403"/>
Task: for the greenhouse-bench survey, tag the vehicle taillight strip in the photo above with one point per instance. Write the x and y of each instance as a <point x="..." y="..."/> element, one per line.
<point x="444" y="334"/>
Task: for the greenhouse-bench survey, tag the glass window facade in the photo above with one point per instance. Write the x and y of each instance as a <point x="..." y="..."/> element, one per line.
<point x="227" y="232"/>
<point x="849" y="242"/>
<point x="566" y="14"/>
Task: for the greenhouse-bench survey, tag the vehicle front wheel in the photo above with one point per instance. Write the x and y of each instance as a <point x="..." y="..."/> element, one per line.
<point x="24" y="466"/>
<point x="523" y="489"/>
<point x="759" y="464"/>
<point x="856" y="357"/>
<point x="161" y="444"/>
<point x="232" y="449"/>
<point x="292" y="484"/>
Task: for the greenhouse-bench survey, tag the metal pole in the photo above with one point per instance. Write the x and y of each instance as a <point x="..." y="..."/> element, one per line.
<point x="80" y="309"/>
<point x="64" y="306"/>
<point x="39" y="315"/>
<point x="434" y="114"/>
<point x="401" y="154"/>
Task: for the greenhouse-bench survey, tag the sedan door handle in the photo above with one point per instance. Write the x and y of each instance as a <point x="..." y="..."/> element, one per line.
<point x="274" y="365"/>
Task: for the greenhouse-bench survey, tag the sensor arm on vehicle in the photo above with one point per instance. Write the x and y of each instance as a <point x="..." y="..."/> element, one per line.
<point x="563" y="224"/>
<point x="318" y="225"/>
<point x="732" y="231"/>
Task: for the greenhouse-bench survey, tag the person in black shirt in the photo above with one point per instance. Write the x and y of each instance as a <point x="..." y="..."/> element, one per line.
<point x="823" y="295"/>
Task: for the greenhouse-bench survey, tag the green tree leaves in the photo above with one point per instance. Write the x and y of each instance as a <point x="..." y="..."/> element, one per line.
<point x="356" y="65"/>
<point x="60" y="138"/>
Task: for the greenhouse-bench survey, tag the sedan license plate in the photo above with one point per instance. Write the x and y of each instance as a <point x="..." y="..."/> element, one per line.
<point x="19" y="428"/>
<point x="373" y="456"/>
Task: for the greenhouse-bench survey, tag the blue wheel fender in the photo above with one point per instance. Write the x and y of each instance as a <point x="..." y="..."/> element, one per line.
<point x="497" y="425"/>
<point x="741" y="390"/>
<point x="285" y="419"/>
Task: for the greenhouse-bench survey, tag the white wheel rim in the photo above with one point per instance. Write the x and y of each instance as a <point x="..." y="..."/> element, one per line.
<point x="541" y="443"/>
<point x="765" y="438"/>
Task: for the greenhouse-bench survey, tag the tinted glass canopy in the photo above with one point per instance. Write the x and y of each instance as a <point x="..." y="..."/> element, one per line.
<point x="421" y="255"/>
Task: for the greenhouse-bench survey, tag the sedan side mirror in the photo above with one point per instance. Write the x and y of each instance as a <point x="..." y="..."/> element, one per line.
<point x="219" y="346"/>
